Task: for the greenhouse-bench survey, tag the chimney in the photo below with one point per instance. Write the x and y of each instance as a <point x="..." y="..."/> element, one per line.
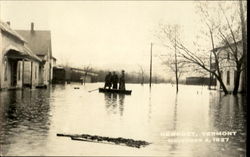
<point x="8" y="22"/>
<point x="32" y="27"/>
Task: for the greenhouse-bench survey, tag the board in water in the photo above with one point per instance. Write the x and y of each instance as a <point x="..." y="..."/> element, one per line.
<point x="115" y="91"/>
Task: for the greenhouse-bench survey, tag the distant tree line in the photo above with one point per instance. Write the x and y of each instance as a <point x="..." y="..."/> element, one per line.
<point x="131" y="77"/>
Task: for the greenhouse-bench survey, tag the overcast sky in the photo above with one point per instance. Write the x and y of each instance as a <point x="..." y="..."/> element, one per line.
<point x="102" y="33"/>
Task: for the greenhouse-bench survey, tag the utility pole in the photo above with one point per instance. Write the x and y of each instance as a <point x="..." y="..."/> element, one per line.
<point x="150" y="78"/>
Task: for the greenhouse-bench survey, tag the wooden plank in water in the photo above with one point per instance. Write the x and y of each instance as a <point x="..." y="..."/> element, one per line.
<point x="115" y="91"/>
<point x="107" y="140"/>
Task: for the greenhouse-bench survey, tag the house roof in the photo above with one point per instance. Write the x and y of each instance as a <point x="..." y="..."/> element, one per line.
<point x="83" y="71"/>
<point x="39" y="41"/>
<point x="54" y="58"/>
<point x="226" y="46"/>
<point x="21" y="52"/>
<point x="6" y="28"/>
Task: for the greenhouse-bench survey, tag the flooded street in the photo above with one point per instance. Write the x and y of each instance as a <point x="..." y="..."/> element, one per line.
<point x="30" y="120"/>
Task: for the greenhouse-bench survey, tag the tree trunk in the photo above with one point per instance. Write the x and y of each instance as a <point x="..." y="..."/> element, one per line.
<point x="244" y="39"/>
<point x="176" y="68"/>
<point x="222" y="84"/>
<point x="236" y="82"/>
<point x="176" y="75"/>
<point x="223" y="87"/>
<point x="177" y="84"/>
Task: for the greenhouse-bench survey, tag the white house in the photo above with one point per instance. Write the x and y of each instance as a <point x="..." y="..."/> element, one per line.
<point x="39" y="42"/>
<point x="228" y="66"/>
<point x="13" y="55"/>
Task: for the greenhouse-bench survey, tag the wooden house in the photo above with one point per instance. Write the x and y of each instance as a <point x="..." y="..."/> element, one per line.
<point x="228" y="66"/>
<point x="39" y="42"/>
<point x="68" y="74"/>
<point x="14" y="53"/>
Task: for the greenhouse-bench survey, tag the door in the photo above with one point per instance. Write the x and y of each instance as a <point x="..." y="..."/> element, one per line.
<point x="13" y="72"/>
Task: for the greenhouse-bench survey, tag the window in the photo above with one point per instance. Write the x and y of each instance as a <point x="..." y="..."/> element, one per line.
<point x="19" y="71"/>
<point x="5" y="70"/>
<point x="228" y="77"/>
<point x="221" y="73"/>
<point x="35" y="72"/>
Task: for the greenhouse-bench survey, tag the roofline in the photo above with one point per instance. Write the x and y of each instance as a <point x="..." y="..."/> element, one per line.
<point x="54" y="58"/>
<point x="36" y="30"/>
<point x="82" y="70"/>
<point x="6" y="28"/>
<point x="225" y="46"/>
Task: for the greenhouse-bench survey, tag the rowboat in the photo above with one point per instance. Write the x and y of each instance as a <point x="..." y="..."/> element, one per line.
<point x="115" y="91"/>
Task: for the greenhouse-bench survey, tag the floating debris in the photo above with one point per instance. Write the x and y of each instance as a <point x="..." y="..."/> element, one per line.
<point x="76" y="87"/>
<point x="107" y="140"/>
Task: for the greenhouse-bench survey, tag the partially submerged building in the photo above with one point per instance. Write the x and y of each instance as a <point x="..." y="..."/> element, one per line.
<point x="228" y="66"/>
<point x="81" y="75"/>
<point x="39" y="41"/>
<point x="61" y="75"/>
<point x="200" y="81"/>
<point x="68" y="74"/>
<point x="14" y="53"/>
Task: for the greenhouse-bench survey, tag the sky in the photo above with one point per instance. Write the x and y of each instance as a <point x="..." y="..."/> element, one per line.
<point x="103" y="34"/>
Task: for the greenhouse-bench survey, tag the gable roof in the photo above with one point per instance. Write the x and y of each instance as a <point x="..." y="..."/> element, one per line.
<point x="39" y="41"/>
<point x="6" y="28"/>
<point x="226" y="46"/>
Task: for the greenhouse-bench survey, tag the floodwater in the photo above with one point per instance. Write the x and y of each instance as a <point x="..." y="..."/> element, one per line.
<point x="175" y="124"/>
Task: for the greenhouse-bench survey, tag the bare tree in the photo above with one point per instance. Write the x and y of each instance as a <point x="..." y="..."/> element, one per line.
<point x="231" y="30"/>
<point x="87" y="69"/>
<point x="169" y="35"/>
<point x="230" y="37"/>
<point x="211" y="23"/>
<point x="243" y="20"/>
<point x="217" y="31"/>
<point x="199" y="58"/>
<point x="141" y="74"/>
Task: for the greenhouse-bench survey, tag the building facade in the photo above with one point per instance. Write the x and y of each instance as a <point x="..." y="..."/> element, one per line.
<point x="13" y="55"/>
<point x="228" y="66"/>
<point x="67" y="74"/>
<point x="39" y="42"/>
<point x="200" y="81"/>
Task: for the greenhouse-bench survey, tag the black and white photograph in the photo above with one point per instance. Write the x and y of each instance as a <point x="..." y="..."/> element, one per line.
<point x="123" y="78"/>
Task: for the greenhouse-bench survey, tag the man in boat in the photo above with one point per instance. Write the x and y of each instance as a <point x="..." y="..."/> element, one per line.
<point x="122" y="81"/>
<point x="114" y="80"/>
<point x="108" y="81"/>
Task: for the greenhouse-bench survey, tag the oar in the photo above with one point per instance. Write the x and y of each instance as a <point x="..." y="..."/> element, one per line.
<point x="93" y="90"/>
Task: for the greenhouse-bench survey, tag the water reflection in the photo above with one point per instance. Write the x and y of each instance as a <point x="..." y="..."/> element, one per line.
<point x="112" y="100"/>
<point x="174" y="146"/>
<point x="175" y="112"/>
<point x="149" y="106"/>
<point x="228" y="113"/>
<point x="29" y="128"/>
<point x="24" y="115"/>
<point x="121" y="103"/>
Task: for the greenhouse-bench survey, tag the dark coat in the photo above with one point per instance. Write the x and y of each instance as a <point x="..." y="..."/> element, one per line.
<point x="114" y="79"/>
